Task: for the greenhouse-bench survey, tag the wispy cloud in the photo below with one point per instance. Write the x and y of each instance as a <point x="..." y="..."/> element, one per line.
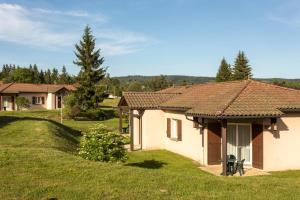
<point x="16" y="26"/>
<point x="122" y="42"/>
<point x="286" y="13"/>
<point x="32" y="27"/>
<point x="73" y="13"/>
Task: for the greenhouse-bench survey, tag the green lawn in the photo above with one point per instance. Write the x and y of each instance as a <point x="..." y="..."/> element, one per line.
<point x="110" y="102"/>
<point x="38" y="161"/>
<point x="55" y="116"/>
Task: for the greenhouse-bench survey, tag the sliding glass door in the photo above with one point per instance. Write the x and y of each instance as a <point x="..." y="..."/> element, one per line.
<point x="239" y="141"/>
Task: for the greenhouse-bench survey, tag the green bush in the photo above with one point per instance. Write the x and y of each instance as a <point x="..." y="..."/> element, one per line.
<point x="71" y="110"/>
<point x="101" y="144"/>
<point x="22" y="102"/>
<point x="99" y="114"/>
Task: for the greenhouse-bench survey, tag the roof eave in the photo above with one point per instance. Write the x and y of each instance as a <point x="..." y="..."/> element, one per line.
<point x="233" y="116"/>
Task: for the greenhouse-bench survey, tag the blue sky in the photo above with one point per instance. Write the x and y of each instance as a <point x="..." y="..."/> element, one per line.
<point x="152" y="37"/>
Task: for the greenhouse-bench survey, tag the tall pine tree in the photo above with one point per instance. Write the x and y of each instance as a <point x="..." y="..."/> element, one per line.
<point x="91" y="71"/>
<point x="224" y="72"/>
<point x="36" y="74"/>
<point x="42" y="76"/>
<point x="241" y="68"/>
<point x="47" y="76"/>
<point x="54" y="76"/>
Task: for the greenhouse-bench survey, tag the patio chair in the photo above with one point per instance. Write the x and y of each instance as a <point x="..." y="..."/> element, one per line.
<point x="231" y="164"/>
<point x="125" y="129"/>
<point x="240" y="167"/>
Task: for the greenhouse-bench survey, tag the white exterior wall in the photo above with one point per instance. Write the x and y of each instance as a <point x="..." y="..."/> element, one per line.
<point x="136" y="129"/>
<point x="154" y="136"/>
<point x="191" y="144"/>
<point x="9" y="106"/>
<point x="29" y="97"/>
<point x="153" y="129"/>
<point x="281" y="151"/>
<point x="50" y="101"/>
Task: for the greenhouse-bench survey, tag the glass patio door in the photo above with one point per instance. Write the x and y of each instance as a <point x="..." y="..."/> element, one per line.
<point x="239" y="141"/>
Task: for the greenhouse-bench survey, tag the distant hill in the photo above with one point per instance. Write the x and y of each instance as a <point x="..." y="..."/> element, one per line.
<point x="179" y="79"/>
<point x="175" y="79"/>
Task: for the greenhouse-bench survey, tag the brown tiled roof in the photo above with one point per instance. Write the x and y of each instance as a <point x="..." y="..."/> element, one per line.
<point x="245" y="98"/>
<point x="145" y="99"/>
<point x="263" y="99"/>
<point x="28" y="87"/>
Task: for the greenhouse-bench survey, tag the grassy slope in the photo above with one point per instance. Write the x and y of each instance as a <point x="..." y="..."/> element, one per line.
<point x="55" y="116"/>
<point x="37" y="161"/>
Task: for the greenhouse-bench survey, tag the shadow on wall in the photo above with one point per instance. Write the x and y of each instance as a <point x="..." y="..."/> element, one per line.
<point x="148" y="164"/>
<point x="281" y="126"/>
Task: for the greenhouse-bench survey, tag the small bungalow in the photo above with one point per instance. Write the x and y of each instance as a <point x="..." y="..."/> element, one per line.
<point x="254" y="121"/>
<point x="40" y="96"/>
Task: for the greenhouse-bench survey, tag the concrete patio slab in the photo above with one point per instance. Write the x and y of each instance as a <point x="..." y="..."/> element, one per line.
<point x="217" y="170"/>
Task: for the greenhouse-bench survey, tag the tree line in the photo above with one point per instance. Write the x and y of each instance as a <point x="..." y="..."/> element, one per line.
<point x="32" y="74"/>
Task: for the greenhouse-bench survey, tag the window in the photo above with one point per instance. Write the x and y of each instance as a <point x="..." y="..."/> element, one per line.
<point x="174" y="129"/>
<point x="38" y="100"/>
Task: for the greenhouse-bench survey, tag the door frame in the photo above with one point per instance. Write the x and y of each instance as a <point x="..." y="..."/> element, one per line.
<point x="237" y="137"/>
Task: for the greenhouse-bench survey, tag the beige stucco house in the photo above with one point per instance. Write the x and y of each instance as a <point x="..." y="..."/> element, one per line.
<point x="40" y="96"/>
<point x="252" y="120"/>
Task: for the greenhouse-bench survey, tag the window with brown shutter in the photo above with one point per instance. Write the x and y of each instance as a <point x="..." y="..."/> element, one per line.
<point x="168" y="127"/>
<point x="179" y="130"/>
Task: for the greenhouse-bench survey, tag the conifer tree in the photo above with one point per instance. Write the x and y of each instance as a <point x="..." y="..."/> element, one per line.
<point x="64" y="76"/>
<point x="91" y="71"/>
<point x="48" y="77"/>
<point x="42" y="76"/>
<point x="224" y="72"/>
<point x="36" y="74"/>
<point x="54" y="76"/>
<point x="241" y="68"/>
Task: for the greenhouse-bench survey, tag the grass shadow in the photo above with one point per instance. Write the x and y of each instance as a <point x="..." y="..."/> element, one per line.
<point x="148" y="164"/>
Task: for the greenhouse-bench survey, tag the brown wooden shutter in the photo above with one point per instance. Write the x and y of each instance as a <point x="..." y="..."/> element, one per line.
<point x="168" y="127"/>
<point x="179" y="130"/>
<point x="214" y="143"/>
<point x="43" y="100"/>
<point x="257" y="146"/>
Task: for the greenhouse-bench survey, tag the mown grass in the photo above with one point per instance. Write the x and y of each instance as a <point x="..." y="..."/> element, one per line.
<point x="38" y="160"/>
<point x="54" y="115"/>
<point x="110" y="102"/>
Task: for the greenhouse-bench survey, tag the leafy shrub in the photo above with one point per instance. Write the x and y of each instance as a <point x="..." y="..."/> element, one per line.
<point x="22" y="102"/>
<point x="100" y="114"/>
<point x="101" y="144"/>
<point x="71" y="110"/>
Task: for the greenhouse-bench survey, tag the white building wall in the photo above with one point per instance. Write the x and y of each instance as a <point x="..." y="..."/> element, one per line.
<point x="153" y="129"/>
<point x="29" y="97"/>
<point x="51" y="101"/>
<point x="136" y="129"/>
<point x="191" y="144"/>
<point x="154" y="136"/>
<point x="282" y="149"/>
